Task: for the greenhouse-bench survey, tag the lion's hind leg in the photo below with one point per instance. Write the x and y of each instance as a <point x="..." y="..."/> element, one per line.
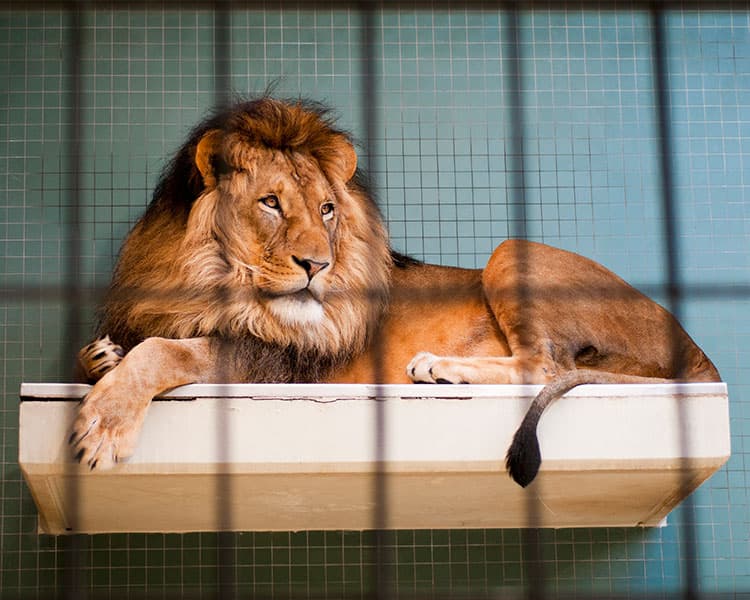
<point x="98" y="358"/>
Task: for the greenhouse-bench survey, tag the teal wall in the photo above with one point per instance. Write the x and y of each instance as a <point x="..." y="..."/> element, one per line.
<point x="441" y="157"/>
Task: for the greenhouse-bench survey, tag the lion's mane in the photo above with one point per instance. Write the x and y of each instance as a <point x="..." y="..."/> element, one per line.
<point x="178" y="276"/>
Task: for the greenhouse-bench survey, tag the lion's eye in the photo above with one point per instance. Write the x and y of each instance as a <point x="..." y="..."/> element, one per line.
<point x="271" y="202"/>
<point x="327" y="210"/>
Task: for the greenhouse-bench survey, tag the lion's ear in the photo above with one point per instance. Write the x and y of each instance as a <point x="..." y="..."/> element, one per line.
<point x="346" y="157"/>
<point x="206" y="153"/>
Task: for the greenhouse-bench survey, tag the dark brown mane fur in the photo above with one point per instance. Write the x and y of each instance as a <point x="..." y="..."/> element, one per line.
<point x="308" y="128"/>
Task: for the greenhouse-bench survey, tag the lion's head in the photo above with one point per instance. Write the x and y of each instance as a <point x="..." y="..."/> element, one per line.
<point x="258" y="229"/>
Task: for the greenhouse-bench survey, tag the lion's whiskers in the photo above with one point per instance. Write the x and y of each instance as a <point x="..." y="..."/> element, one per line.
<point x="251" y="268"/>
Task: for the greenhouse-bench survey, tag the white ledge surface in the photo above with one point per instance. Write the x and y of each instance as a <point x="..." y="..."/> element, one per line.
<point x="293" y="457"/>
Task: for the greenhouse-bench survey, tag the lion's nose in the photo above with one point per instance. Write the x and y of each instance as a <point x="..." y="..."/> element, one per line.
<point x="311" y="267"/>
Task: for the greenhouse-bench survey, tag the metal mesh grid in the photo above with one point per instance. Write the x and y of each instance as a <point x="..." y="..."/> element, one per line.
<point x="441" y="159"/>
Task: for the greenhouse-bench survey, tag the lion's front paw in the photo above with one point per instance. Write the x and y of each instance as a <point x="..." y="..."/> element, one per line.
<point x="428" y="368"/>
<point x="108" y="423"/>
<point x="99" y="357"/>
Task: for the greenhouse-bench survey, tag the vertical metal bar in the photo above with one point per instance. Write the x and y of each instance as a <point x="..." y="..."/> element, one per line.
<point x="534" y="572"/>
<point x="74" y="545"/>
<point x="673" y="283"/>
<point x="369" y="41"/>
<point x="515" y="107"/>
<point x="669" y="231"/>
<point x="222" y="51"/>
<point x="225" y="555"/>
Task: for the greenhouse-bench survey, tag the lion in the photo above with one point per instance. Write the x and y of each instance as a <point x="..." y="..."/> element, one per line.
<point x="263" y="258"/>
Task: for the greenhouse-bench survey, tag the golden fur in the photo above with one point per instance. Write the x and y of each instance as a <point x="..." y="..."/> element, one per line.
<point x="262" y="258"/>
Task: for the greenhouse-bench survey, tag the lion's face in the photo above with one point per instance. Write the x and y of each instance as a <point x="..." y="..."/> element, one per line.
<point x="288" y="251"/>
<point x="279" y="226"/>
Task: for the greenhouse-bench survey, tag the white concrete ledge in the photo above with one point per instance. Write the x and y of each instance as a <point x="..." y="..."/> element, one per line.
<point x="293" y="457"/>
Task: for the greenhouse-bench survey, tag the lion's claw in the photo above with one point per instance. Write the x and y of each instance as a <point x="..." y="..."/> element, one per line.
<point x="99" y="357"/>
<point x="428" y="368"/>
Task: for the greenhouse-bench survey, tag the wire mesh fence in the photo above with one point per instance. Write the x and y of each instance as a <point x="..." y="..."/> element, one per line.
<point x="617" y="130"/>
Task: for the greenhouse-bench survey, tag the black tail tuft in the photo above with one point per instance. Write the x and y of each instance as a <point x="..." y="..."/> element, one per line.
<point x="524" y="457"/>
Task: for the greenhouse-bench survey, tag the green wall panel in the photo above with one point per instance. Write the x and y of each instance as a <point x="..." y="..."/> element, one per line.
<point x="441" y="164"/>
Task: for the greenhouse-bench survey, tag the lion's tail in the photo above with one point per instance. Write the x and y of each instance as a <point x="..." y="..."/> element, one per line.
<point x="524" y="458"/>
